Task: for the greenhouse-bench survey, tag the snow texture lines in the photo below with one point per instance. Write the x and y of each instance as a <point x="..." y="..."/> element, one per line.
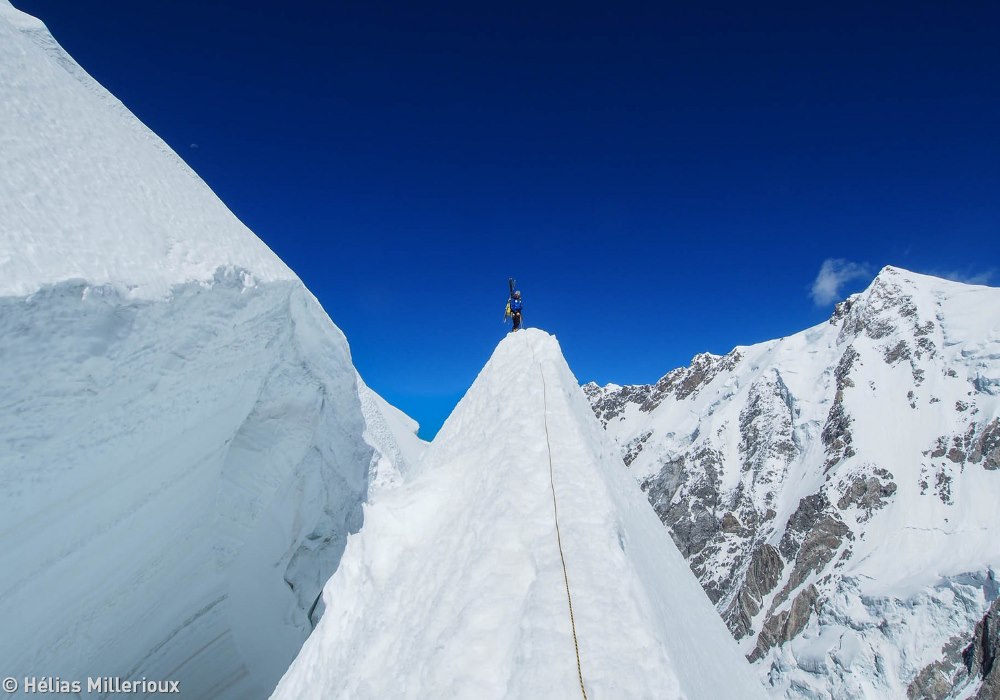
<point x="555" y="514"/>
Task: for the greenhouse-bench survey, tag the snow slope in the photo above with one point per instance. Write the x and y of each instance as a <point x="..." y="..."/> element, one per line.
<point x="454" y="588"/>
<point x="184" y="441"/>
<point x="835" y="491"/>
<point x="90" y="193"/>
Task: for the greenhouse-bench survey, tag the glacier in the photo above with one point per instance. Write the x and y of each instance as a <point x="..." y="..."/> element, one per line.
<point x="185" y="443"/>
<point x="455" y="586"/>
<point x="835" y="490"/>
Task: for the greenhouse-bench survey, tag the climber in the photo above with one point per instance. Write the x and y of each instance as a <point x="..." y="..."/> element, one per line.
<point x="515" y="309"/>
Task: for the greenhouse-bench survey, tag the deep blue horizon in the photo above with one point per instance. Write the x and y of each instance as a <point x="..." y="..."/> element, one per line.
<point x="661" y="180"/>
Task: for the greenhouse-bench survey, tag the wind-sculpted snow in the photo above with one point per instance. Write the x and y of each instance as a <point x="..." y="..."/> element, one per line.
<point x="454" y="587"/>
<point x="835" y="491"/>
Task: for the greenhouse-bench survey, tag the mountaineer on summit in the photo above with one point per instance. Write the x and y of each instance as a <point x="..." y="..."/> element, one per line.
<point x="515" y="310"/>
<point x="514" y="306"/>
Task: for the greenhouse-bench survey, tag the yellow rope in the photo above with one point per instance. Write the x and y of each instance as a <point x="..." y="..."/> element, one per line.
<point x="555" y="512"/>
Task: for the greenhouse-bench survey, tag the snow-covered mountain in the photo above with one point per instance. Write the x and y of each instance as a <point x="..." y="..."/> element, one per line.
<point x="456" y="587"/>
<point x="184" y="442"/>
<point x="836" y="491"/>
<point x="187" y="454"/>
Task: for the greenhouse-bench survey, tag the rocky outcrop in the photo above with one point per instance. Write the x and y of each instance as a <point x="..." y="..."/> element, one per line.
<point x="986" y="449"/>
<point x="867" y="491"/>
<point x="812" y="536"/>
<point x="886" y="308"/>
<point x="968" y="661"/>
<point x="691" y="520"/>
<point x="937" y="680"/>
<point x="767" y="441"/>
<point x="761" y="577"/>
<point x="634" y="447"/>
<point x="818" y="549"/>
<point x="837" y="432"/>
<point x="841" y="309"/>
<point x="810" y="511"/>
<point x="682" y="383"/>
<point x="787" y="624"/>
<point x="978" y="444"/>
<point x="982" y="654"/>
<point x="702" y="370"/>
<point x="899" y="351"/>
<point x="609" y="403"/>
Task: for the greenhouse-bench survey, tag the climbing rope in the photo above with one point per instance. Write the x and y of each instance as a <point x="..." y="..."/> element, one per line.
<point x="555" y="512"/>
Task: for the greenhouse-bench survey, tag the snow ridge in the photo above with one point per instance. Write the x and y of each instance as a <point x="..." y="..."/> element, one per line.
<point x="454" y="587"/>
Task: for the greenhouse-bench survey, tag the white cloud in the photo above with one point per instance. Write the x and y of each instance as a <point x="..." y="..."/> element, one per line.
<point x="833" y="274"/>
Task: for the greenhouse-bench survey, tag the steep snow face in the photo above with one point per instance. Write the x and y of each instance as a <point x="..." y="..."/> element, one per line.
<point x="177" y="481"/>
<point x="184" y="442"/>
<point x="835" y="491"/>
<point x="90" y="193"/>
<point x="455" y="586"/>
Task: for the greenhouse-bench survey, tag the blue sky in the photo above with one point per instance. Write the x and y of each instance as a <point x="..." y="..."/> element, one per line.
<point x="663" y="179"/>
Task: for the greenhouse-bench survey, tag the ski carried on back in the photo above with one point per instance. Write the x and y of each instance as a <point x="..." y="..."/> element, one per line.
<point x="514" y="305"/>
<point x="511" y="282"/>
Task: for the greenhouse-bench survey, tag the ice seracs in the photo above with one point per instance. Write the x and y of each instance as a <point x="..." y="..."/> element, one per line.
<point x="835" y="490"/>
<point x="455" y="588"/>
<point x="184" y="441"/>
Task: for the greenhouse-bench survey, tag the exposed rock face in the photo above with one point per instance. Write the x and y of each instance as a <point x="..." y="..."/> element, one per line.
<point x="819" y="544"/>
<point x="981" y="655"/>
<point x="634" y="447"/>
<point x="986" y="449"/>
<point x="612" y="404"/>
<point x="767" y="443"/>
<point x="868" y="493"/>
<point x="968" y="662"/>
<point x="762" y="576"/>
<point x="817" y="483"/>
<point x="837" y="431"/>
<point x="787" y="624"/>
<point x="691" y="518"/>
<point x="679" y="384"/>
<point x="937" y="680"/>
